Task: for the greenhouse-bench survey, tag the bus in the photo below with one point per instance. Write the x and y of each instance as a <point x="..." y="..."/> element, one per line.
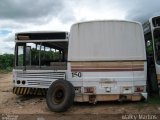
<point x="101" y="60"/>
<point x="152" y="38"/>
<point x="37" y="56"/>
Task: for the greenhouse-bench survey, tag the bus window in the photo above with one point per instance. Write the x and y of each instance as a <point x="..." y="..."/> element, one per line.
<point x="20" y="56"/>
<point x="156" y="21"/>
<point x="28" y="55"/>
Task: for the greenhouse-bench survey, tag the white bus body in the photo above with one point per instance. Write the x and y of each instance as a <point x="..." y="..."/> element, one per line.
<point x="106" y="61"/>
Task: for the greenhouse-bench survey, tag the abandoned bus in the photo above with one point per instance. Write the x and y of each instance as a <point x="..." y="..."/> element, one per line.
<point x="152" y="38"/>
<point x="40" y="59"/>
<point x="99" y="61"/>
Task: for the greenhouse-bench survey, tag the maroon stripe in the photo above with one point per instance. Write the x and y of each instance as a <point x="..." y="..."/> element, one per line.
<point x="107" y="66"/>
<point x="106" y="70"/>
<point x="104" y="65"/>
<point x="101" y="66"/>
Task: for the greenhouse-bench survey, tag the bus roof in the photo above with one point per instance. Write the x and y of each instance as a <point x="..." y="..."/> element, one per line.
<point x="90" y="21"/>
<point x="41" y="36"/>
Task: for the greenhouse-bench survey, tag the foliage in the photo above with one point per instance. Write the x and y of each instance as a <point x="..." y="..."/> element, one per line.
<point x="154" y="100"/>
<point x="149" y="49"/>
<point x="45" y="56"/>
<point x="6" y="62"/>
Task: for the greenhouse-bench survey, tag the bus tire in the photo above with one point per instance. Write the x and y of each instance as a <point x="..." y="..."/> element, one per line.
<point x="60" y="96"/>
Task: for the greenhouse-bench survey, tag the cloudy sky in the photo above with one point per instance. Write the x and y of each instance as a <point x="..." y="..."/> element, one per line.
<point x="54" y="15"/>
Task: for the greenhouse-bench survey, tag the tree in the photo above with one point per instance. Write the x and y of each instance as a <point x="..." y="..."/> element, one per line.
<point x="6" y="61"/>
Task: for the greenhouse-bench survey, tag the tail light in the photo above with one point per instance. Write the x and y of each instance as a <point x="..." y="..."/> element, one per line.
<point x="139" y="89"/>
<point x="88" y="89"/>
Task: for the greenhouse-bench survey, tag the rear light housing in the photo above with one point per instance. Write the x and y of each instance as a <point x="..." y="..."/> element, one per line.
<point x="89" y="89"/>
<point x="139" y="89"/>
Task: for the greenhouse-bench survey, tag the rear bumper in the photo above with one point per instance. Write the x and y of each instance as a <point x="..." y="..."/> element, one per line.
<point x="109" y="97"/>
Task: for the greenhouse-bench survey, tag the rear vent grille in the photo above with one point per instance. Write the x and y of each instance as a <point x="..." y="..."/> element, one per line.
<point x="40" y="78"/>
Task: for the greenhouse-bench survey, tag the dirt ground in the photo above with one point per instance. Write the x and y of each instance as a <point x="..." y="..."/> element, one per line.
<point x="34" y="107"/>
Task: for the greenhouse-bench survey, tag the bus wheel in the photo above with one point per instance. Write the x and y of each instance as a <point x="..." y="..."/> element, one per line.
<point x="60" y="96"/>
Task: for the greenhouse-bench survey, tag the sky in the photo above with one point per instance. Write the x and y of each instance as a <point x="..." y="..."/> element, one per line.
<point x="58" y="15"/>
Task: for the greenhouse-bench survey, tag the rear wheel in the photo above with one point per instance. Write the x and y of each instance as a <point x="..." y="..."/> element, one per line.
<point x="60" y="96"/>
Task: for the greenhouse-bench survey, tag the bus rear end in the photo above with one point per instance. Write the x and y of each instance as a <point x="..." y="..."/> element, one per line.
<point x="107" y="61"/>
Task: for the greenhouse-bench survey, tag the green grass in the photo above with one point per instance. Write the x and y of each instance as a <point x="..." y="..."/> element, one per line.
<point x="7" y="70"/>
<point x="154" y="100"/>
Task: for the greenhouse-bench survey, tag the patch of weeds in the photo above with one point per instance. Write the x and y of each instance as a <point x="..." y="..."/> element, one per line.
<point x="140" y="105"/>
<point x="154" y="100"/>
<point x="7" y="70"/>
